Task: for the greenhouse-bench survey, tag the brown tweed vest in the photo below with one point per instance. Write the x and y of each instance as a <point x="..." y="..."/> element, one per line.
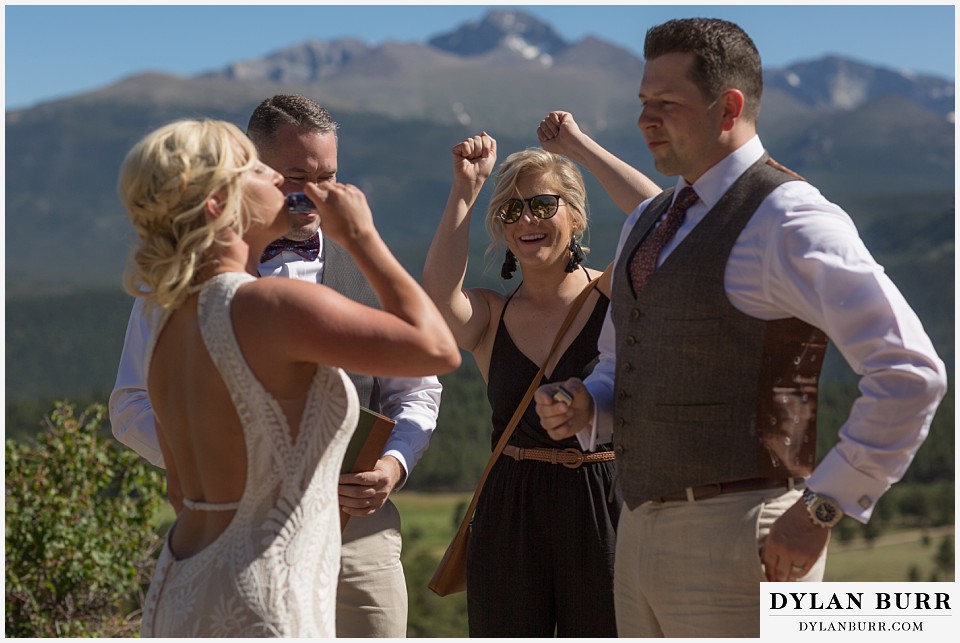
<point x="703" y="392"/>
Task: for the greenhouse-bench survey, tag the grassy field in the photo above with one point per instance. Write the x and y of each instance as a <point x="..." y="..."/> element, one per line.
<point x="430" y="519"/>
<point x="890" y="558"/>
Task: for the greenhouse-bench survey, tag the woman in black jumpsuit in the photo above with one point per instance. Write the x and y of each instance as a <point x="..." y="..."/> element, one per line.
<point x="544" y="535"/>
<point x="540" y="562"/>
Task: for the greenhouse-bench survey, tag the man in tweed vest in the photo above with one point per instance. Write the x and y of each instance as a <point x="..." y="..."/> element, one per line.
<point x="710" y="356"/>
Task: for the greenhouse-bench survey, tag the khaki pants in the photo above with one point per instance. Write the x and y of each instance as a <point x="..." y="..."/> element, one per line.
<point x="372" y="593"/>
<point x="692" y="569"/>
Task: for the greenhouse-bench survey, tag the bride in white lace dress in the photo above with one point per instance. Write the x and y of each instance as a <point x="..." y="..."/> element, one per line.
<point x="244" y="375"/>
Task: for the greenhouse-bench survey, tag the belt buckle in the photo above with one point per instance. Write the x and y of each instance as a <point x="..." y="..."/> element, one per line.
<point x="574" y="465"/>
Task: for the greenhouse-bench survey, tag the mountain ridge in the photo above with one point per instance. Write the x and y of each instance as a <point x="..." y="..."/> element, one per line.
<point x="517" y="37"/>
<point x="851" y="128"/>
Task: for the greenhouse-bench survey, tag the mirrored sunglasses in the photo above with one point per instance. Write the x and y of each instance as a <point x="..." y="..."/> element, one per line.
<point x="542" y="206"/>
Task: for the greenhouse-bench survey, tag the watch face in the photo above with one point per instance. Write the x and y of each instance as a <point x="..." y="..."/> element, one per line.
<point x="825" y="512"/>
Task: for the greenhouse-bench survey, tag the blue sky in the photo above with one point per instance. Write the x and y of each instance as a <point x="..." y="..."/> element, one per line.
<point x="53" y="51"/>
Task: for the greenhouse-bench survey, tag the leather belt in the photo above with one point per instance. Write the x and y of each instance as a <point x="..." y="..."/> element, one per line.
<point x="570" y="458"/>
<point x="703" y="492"/>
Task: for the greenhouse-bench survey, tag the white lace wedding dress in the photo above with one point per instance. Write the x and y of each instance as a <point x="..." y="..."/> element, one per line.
<point x="273" y="571"/>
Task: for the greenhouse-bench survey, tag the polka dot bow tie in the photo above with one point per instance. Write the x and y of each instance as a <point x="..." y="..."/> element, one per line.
<point x="309" y="249"/>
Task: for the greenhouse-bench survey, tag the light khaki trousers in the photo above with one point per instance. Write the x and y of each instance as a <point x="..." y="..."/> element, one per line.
<point x="692" y="569"/>
<point x="372" y="592"/>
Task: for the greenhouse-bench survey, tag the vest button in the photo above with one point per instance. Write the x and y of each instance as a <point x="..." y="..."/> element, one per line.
<point x="618" y="449"/>
<point x="635" y="313"/>
<point x="631" y="340"/>
<point x="626" y="367"/>
<point x="622" y="394"/>
<point x="621" y="422"/>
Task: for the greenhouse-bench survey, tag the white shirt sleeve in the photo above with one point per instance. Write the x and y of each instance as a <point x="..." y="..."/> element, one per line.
<point x="801" y="256"/>
<point x="815" y="267"/>
<point x="413" y="402"/>
<point x="131" y="415"/>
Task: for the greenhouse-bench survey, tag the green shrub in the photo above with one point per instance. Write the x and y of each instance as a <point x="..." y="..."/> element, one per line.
<point x="80" y="537"/>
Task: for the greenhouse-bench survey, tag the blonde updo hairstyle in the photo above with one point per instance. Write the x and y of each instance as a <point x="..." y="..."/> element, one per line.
<point x="164" y="184"/>
<point x="538" y="162"/>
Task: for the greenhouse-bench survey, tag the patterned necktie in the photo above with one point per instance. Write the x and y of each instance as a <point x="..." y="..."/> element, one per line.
<point x="645" y="260"/>
<point x="309" y="249"/>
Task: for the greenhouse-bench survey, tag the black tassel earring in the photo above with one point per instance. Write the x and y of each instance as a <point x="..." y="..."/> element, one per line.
<point x="509" y="266"/>
<point x="577" y="255"/>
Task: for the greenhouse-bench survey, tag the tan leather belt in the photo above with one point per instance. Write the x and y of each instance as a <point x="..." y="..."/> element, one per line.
<point x="570" y="458"/>
<point x="719" y="488"/>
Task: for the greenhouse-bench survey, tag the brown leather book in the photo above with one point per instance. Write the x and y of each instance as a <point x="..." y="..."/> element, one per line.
<point x="366" y="445"/>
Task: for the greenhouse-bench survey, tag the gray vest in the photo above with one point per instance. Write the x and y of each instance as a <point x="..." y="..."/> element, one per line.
<point x="703" y="392"/>
<point x="341" y="273"/>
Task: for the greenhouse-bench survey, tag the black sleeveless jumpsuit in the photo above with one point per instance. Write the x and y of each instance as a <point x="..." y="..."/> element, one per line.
<point x="540" y="562"/>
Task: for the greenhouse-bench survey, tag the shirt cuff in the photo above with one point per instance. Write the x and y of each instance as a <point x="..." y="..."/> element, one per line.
<point x="402" y="459"/>
<point x="856" y="492"/>
<point x="600" y="430"/>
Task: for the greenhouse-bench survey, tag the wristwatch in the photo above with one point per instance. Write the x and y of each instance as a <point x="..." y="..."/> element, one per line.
<point x="823" y="510"/>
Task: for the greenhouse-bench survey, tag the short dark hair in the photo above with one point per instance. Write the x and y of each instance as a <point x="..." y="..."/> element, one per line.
<point x="289" y="109"/>
<point x="725" y="56"/>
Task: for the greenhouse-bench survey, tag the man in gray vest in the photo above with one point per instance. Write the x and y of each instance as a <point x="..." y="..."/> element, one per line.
<point x="710" y="355"/>
<point x="298" y="138"/>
